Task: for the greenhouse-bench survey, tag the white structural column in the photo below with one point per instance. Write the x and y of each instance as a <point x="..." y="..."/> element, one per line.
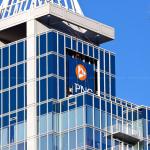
<point x="31" y="86"/>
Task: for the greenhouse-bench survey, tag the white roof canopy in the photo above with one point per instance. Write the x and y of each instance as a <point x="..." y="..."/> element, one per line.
<point x="22" y="5"/>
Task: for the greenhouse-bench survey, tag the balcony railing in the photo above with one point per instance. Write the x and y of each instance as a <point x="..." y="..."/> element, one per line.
<point x="126" y="133"/>
<point x="117" y="147"/>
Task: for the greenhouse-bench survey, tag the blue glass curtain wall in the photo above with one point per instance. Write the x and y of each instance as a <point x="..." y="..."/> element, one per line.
<point x="51" y="55"/>
<point x="13" y="95"/>
<point x="87" y="117"/>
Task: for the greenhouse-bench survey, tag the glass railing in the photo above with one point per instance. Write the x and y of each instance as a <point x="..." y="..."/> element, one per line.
<point x="135" y="130"/>
<point x="117" y="147"/>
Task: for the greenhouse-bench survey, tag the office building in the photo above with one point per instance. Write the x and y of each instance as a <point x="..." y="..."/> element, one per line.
<point x="57" y="85"/>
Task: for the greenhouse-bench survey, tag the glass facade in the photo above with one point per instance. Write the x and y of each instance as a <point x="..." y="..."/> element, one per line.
<point x="87" y="120"/>
<point x="13" y="96"/>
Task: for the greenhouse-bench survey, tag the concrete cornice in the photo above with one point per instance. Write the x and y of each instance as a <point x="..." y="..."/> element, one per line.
<point x="90" y="25"/>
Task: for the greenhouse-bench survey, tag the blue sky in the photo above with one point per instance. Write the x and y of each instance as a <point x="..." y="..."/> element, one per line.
<point x="131" y="19"/>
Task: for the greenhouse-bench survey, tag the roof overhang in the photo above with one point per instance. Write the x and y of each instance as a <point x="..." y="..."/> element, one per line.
<point x="97" y="31"/>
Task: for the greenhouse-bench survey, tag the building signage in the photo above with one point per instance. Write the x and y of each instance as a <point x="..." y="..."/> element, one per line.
<point x="80" y="76"/>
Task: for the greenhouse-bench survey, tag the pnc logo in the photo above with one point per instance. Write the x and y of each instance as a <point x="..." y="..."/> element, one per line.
<point x="81" y="72"/>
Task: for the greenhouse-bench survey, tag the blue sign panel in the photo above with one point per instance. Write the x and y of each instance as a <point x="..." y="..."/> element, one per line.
<point x="80" y="76"/>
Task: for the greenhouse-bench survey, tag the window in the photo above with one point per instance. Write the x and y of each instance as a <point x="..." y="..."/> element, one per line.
<point x="5" y="78"/>
<point x="96" y="103"/>
<point x="103" y="141"/>
<point x="114" y="109"/>
<point x="107" y="62"/>
<point x="89" y="100"/>
<point x="0" y="80"/>
<point x="103" y="119"/>
<point x="21" y="146"/>
<point x="79" y="101"/>
<point x="96" y="53"/>
<point x="13" y="54"/>
<point x="43" y="124"/>
<point x="5" y="135"/>
<point x="109" y="142"/>
<point x="12" y="76"/>
<point x="64" y="106"/>
<point x="5" y="56"/>
<point x="64" y="121"/>
<point x="74" y="44"/>
<point x="113" y="86"/>
<point x="37" y="46"/>
<point x="37" y="68"/>
<point x="0" y="107"/>
<point x="52" y="87"/>
<point x="61" y="44"/>
<point x="91" y="51"/>
<point x="12" y="133"/>
<point x="102" y="82"/>
<point x="50" y="106"/>
<point x="61" y="66"/>
<point x="42" y="44"/>
<point x="108" y="107"/>
<point x="148" y="129"/>
<point x="20" y="116"/>
<point x="43" y="90"/>
<point x="21" y="97"/>
<point x="108" y="121"/>
<point x="79" y="116"/>
<point x="72" y="118"/>
<point x="103" y="105"/>
<point x="89" y="137"/>
<point x="55" y="122"/>
<point x="148" y="114"/>
<point x="43" y="143"/>
<point x="13" y="147"/>
<point x="101" y="60"/>
<point x="112" y="64"/>
<point x="65" y="141"/>
<point x="20" y="131"/>
<point x="119" y="111"/>
<point x="43" y="66"/>
<point x="50" y="122"/>
<point x="50" y="142"/>
<point x="12" y="99"/>
<point x="79" y="47"/>
<point x="107" y="83"/>
<point x="20" y="74"/>
<point x="97" y="139"/>
<point x="52" y="41"/>
<point x="89" y="115"/>
<point x="6" y="148"/>
<point x="5" y="121"/>
<point x="62" y="89"/>
<point x="85" y="49"/>
<point x="72" y="137"/>
<point x="80" y="137"/>
<point x="5" y="102"/>
<point x="68" y="42"/>
<point x="52" y="64"/>
<point x="0" y="58"/>
<point x="97" y="118"/>
<point x="20" y="52"/>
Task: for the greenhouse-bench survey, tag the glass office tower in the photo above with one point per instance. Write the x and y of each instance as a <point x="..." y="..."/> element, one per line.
<point x="57" y="85"/>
